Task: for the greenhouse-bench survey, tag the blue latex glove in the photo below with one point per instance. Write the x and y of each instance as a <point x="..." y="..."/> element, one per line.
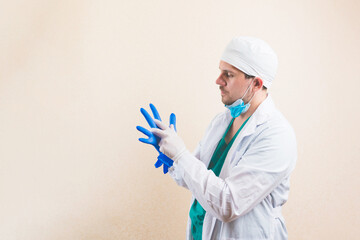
<point x="154" y="140"/>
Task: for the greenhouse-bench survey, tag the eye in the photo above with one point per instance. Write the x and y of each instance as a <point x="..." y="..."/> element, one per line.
<point x="228" y="75"/>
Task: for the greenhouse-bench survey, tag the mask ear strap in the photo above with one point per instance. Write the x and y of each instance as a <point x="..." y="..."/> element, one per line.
<point x="248" y="90"/>
<point x="252" y="97"/>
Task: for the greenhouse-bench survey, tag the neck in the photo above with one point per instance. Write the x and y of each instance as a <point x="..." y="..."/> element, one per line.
<point x="255" y="103"/>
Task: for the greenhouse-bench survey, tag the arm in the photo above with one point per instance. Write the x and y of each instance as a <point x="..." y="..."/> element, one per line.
<point x="176" y="172"/>
<point x="269" y="159"/>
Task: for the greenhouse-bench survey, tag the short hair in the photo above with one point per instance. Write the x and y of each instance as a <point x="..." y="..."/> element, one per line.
<point x="247" y="76"/>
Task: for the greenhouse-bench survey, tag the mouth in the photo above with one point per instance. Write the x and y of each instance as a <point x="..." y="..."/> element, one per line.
<point x="222" y="92"/>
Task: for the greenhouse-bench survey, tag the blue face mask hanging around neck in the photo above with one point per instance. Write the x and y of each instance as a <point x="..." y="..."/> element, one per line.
<point x="238" y="107"/>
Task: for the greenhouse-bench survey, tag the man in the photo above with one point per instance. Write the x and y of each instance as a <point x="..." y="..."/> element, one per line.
<point x="239" y="173"/>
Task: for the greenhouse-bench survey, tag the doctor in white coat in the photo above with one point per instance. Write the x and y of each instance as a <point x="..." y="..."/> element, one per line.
<point x="239" y="173"/>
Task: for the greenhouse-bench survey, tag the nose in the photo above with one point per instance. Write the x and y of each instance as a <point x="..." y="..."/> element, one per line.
<point x="220" y="81"/>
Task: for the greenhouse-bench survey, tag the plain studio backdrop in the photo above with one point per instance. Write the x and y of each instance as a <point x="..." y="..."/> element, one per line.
<point x="74" y="74"/>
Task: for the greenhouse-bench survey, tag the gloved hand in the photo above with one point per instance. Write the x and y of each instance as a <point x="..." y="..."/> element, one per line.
<point x="170" y="144"/>
<point x="153" y="140"/>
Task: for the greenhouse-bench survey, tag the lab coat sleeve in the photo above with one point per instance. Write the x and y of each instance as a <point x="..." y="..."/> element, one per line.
<point x="176" y="172"/>
<point x="269" y="159"/>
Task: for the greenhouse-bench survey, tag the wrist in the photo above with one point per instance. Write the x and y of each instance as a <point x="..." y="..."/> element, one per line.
<point x="179" y="155"/>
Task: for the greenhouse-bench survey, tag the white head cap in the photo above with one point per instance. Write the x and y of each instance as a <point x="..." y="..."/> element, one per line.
<point x="252" y="56"/>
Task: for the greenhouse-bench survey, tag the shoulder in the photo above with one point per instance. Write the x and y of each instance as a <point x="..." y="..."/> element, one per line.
<point x="278" y="125"/>
<point x="270" y="121"/>
<point x="272" y="146"/>
<point x="272" y="130"/>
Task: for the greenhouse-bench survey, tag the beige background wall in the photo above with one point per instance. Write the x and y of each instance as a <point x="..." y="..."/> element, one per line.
<point x="73" y="75"/>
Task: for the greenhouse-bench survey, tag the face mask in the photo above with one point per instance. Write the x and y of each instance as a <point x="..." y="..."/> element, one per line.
<point x="238" y="107"/>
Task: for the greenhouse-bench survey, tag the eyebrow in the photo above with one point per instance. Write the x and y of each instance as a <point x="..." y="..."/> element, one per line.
<point x="228" y="71"/>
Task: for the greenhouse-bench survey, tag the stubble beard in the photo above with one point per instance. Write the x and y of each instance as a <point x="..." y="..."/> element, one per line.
<point x="226" y="101"/>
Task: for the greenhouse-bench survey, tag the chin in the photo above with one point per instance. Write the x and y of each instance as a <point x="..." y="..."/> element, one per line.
<point x="227" y="101"/>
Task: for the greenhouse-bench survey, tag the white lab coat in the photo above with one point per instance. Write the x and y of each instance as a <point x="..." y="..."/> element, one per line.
<point x="245" y="201"/>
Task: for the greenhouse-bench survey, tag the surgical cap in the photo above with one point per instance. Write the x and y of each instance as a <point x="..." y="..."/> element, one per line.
<point x="252" y="56"/>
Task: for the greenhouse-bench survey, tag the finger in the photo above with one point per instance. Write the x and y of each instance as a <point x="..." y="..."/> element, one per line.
<point x="144" y="131"/>
<point x="166" y="160"/>
<point x="158" y="132"/>
<point x="161" y="125"/>
<point x="173" y="120"/>
<point x="155" y="112"/>
<point x="165" y="169"/>
<point x="158" y="163"/>
<point x="145" y="140"/>
<point x="148" y="118"/>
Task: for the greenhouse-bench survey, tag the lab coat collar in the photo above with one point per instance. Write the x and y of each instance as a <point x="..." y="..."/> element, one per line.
<point x="260" y="116"/>
<point x="263" y="112"/>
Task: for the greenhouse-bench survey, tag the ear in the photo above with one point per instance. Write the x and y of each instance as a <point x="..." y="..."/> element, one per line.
<point x="258" y="83"/>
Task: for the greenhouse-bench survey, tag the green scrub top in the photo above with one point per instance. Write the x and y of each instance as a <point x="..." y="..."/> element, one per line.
<point x="197" y="212"/>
